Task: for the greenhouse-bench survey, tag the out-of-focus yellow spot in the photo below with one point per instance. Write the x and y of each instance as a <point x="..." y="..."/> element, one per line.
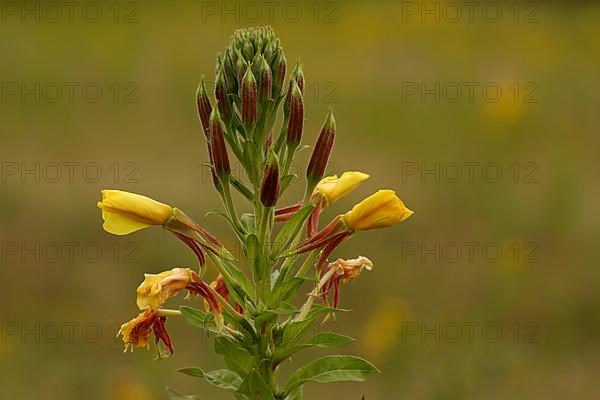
<point x="506" y="101"/>
<point x="382" y="330"/>
<point x="131" y="391"/>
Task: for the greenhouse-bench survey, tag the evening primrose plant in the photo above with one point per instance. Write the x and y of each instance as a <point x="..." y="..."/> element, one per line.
<point x="258" y="308"/>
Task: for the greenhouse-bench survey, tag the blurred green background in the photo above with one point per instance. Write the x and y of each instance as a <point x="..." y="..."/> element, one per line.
<point x="66" y="285"/>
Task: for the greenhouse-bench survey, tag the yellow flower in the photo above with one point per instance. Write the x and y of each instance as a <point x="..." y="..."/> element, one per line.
<point x="332" y="188"/>
<point x="136" y="333"/>
<point x="380" y="210"/>
<point x="125" y="212"/>
<point x="158" y="288"/>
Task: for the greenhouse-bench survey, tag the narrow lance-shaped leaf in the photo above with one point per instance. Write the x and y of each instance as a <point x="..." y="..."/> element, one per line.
<point x="332" y="369"/>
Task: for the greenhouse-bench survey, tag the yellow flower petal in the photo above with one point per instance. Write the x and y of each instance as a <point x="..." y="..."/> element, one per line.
<point x="380" y="210"/>
<point x="158" y="288"/>
<point x="333" y="188"/>
<point x="125" y="212"/>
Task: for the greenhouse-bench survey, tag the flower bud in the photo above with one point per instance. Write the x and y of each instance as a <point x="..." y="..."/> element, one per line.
<point x="296" y="119"/>
<point x="298" y="76"/>
<point x="217" y="143"/>
<point x="248" y="50"/>
<point x="230" y="71"/>
<point x="322" y="150"/>
<point x="380" y="210"/>
<point x="332" y="188"/>
<point x="266" y="80"/>
<point x="279" y="68"/>
<point x="249" y="107"/>
<point x="240" y="68"/>
<point x="204" y="106"/>
<point x="125" y="212"/>
<point x="269" y="190"/>
<point x="221" y="95"/>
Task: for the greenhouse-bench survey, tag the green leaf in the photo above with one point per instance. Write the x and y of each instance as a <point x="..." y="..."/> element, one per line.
<point x="325" y="340"/>
<point x="221" y="378"/>
<point x="329" y="340"/>
<point x="332" y="369"/>
<point x="284" y="290"/>
<point x="241" y="286"/>
<point x="199" y="318"/>
<point x="192" y="371"/>
<point x="242" y="188"/>
<point x="290" y="230"/>
<point x="175" y="395"/>
<point x="248" y="222"/>
<point x="255" y="257"/>
<point x="236" y="357"/>
<point x="256" y="388"/>
<point x="296" y="394"/>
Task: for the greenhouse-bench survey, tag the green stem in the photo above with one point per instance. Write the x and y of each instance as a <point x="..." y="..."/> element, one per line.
<point x="314" y="294"/>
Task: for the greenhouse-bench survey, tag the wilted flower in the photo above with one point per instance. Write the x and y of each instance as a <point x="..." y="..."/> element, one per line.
<point x="125" y="212"/>
<point x="342" y="271"/>
<point x="136" y="332"/>
<point x="158" y="288"/>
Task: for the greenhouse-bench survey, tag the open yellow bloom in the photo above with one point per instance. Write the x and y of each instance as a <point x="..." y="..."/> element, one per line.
<point x="136" y="333"/>
<point x="332" y="188"/>
<point x="380" y="210"/>
<point x="158" y="288"/>
<point x="125" y="212"/>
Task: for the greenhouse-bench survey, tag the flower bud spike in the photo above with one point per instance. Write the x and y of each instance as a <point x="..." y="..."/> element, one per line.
<point x="269" y="190"/>
<point x="221" y="96"/>
<point x="296" y="120"/>
<point x="321" y="152"/>
<point x="204" y="107"/>
<point x="249" y="106"/>
<point x="218" y="148"/>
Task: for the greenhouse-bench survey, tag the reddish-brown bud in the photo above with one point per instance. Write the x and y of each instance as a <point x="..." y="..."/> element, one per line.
<point x="298" y="76"/>
<point x="204" y="107"/>
<point x="249" y="92"/>
<point x="296" y="119"/>
<point x="322" y="150"/>
<point x="266" y="80"/>
<point x="220" y="158"/>
<point x="279" y="68"/>
<point x="221" y="95"/>
<point x="269" y="190"/>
